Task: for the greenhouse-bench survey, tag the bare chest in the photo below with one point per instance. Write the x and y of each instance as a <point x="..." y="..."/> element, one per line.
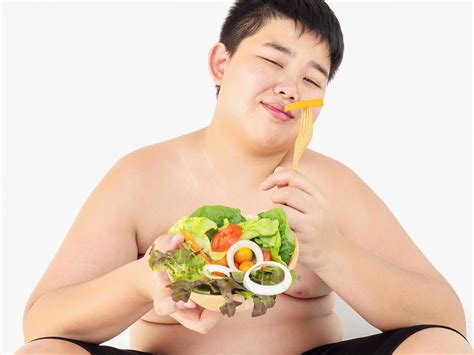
<point x="170" y="194"/>
<point x="167" y="204"/>
<point x="175" y="194"/>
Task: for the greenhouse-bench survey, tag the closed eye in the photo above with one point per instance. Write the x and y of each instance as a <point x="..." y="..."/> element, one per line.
<point x="281" y="66"/>
<point x="271" y="61"/>
<point x="312" y="82"/>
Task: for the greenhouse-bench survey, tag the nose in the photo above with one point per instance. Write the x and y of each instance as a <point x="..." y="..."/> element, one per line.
<point x="287" y="92"/>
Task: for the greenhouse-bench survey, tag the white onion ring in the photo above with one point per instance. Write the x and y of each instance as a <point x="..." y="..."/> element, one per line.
<point x="208" y="268"/>
<point x="243" y="244"/>
<point x="267" y="290"/>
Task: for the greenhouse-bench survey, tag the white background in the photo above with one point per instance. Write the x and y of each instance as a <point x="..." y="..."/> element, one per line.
<point x="86" y="83"/>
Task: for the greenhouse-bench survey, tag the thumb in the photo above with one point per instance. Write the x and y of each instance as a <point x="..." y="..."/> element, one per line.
<point x="163" y="244"/>
<point x="167" y="242"/>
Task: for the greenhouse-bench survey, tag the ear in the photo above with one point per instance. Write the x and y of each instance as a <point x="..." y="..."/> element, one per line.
<point x="217" y="61"/>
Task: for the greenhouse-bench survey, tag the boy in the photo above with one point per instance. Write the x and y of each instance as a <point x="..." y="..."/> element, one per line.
<point x="270" y="53"/>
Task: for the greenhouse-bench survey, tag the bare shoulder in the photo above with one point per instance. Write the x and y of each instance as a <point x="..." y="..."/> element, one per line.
<point x="329" y="165"/>
<point x="163" y="157"/>
<point x="147" y="157"/>
<point x="342" y="186"/>
<point x="327" y="172"/>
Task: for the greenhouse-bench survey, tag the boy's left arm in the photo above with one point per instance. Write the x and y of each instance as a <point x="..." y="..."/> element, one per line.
<point x="364" y="254"/>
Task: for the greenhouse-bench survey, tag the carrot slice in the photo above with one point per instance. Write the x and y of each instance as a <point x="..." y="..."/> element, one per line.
<point x="194" y="246"/>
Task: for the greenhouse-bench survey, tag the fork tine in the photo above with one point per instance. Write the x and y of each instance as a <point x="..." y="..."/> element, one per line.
<point x="304" y="135"/>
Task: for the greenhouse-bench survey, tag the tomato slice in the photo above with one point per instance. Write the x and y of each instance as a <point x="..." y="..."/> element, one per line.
<point x="266" y="255"/>
<point x="223" y="240"/>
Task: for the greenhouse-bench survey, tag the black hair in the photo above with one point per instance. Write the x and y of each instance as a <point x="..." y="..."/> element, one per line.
<point x="247" y="17"/>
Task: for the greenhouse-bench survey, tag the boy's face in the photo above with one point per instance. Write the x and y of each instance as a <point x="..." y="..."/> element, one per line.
<point x="250" y="79"/>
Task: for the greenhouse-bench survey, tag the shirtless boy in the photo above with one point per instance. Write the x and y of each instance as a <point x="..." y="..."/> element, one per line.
<point x="271" y="53"/>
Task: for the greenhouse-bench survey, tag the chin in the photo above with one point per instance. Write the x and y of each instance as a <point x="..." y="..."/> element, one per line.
<point x="266" y="138"/>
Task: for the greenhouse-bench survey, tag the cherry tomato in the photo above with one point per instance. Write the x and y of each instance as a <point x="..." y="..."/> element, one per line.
<point x="223" y="240"/>
<point x="243" y="254"/>
<point x="245" y="266"/>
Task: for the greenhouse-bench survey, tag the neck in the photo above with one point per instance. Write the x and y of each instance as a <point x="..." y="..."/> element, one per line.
<point x="235" y="160"/>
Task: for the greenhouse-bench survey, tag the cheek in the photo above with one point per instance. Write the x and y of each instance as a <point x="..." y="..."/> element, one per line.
<point x="258" y="77"/>
<point x="247" y="87"/>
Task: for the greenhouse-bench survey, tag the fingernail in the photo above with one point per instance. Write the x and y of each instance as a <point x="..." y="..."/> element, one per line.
<point x="177" y="238"/>
<point x="189" y="304"/>
<point x="278" y="168"/>
<point x="263" y="184"/>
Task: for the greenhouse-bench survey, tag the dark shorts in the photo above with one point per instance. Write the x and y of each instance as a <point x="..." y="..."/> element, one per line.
<point x="378" y="344"/>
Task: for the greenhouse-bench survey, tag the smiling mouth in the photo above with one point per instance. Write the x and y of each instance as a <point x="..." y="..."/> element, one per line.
<point x="277" y="113"/>
<point x="289" y="114"/>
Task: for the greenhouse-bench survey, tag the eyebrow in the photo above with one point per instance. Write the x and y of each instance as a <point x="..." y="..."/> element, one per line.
<point x="291" y="53"/>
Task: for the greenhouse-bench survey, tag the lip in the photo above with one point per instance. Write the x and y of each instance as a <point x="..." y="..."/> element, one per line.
<point x="277" y="113"/>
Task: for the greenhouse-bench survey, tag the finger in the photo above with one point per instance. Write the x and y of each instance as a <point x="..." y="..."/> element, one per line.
<point x="197" y="320"/>
<point x="209" y="319"/>
<point x="279" y="168"/>
<point x="163" y="280"/>
<point x="294" y="217"/>
<point x="185" y="305"/>
<point x="167" y="242"/>
<point x="293" y="197"/>
<point x="293" y="178"/>
<point x="164" y="305"/>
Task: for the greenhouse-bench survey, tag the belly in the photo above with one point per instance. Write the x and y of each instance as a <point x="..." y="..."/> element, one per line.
<point x="292" y="326"/>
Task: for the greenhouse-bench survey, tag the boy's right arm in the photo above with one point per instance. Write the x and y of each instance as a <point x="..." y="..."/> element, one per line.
<point x="91" y="290"/>
<point x="94" y="311"/>
<point x="98" y="310"/>
<point x="95" y="287"/>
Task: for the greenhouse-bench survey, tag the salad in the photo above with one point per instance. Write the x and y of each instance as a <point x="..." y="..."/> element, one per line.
<point x="229" y="257"/>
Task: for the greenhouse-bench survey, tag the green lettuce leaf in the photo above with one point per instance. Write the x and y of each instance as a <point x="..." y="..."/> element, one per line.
<point x="224" y="225"/>
<point x="288" y="240"/>
<point x="264" y="227"/>
<point x="196" y="227"/>
<point x="217" y="255"/>
<point x="218" y="213"/>
<point x="265" y="232"/>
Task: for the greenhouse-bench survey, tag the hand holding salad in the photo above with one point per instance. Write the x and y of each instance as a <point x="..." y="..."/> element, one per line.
<point x="189" y="314"/>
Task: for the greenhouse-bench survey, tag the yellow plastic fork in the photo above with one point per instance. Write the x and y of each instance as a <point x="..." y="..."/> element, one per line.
<point x="305" y="133"/>
<point x="304" y="104"/>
